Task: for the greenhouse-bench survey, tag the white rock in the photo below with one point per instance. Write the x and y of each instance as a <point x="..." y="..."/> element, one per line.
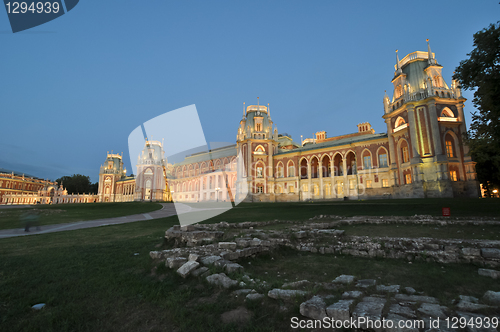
<point x="340" y="310"/>
<point x="187" y="268"/>
<point x="344" y="279"/>
<point x="285" y="294"/>
<point x="492" y="297"/>
<point x="227" y="245"/>
<point x="314" y="308"/>
<point x="221" y="279"/>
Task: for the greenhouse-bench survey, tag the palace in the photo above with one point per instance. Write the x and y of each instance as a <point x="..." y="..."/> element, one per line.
<point x="421" y="155"/>
<point x="20" y="189"/>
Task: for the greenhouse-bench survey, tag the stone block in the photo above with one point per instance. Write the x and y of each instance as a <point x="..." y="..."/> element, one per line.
<point x="344" y="279"/>
<point x="187" y="228"/>
<point x="340" y="310"/>
<point x="388" y="289"/>
<point x="198" y="272"/>
<point x="187" y="268"/>
<point x="371" y="308"/>
<point x="285" y="294"/>
<point x="314" y="308"/>
<point x="221" y="280"/>
<point x="208" y="260"/>
<point x="242" y="243"/>
<point x="491" y="297"/>
<point x="230" y="255"/>
<point x="402" y="311"/>
<point x="433" y="310"/>
<point x="365" y="283"/>
<point x="471" y="252"/>
<point x="490" y="253"/>
<point x="227" y="245"/>
<point x="255" y="242"/>
<point x="352" y="295"/>
<point x="489" y="273"/>
<point x="233" y="267"/>
<point x="175" y="262"/>
<point x="415" y="298"/>
<point x="473" y="317"/>
<point x="254" y="297"/>
<point x="193" y="257"/>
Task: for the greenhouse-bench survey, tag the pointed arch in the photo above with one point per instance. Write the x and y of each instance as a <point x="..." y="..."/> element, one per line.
<point x="314" y="167"/>
<point x="290" y="168"/>
<point x="303" y="168"/>
<point x="367" y="159"/>
<point x="260" y="149"/>
<point x="400" y="121"/>
<point x="326" y="169"/>
<point x="280" y="170"/>
<point x="382" y="157"/>
<point x="447" y="113"/>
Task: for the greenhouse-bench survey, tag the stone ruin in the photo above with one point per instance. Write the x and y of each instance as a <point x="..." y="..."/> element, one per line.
<point x="198" y="247"/>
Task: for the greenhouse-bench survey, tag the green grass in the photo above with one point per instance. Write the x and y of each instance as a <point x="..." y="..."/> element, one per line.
<point x="91" y="279"/>
<point x="394" y="207"/>
<point x="63" y="213"/>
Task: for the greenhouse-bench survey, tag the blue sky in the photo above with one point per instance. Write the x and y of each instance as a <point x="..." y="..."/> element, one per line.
<point x="74" y="88"/>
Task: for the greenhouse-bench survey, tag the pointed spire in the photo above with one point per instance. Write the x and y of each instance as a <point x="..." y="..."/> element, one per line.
<point x="430" y="58"/>
<point x="258" y="104"/>
<point x="398" y="69"/>
<point x="268" y="111"/>
<point x="244" y="110"/>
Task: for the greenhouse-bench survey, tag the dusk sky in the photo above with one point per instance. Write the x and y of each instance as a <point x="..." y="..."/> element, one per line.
<point x="74" y="88"/>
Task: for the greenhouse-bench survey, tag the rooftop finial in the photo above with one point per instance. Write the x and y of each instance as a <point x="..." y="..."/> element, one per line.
<point x="430" y="58"/>
<point x="244" y="109"/>
<point x="398" y="69"/>
<point x="268" y="111"/>
<point x="258" y="103"/>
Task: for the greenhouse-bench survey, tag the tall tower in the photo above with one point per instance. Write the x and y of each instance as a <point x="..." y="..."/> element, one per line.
<point x="425" y="123"/>
<point x="111" y="171"/>
<point x="256" y="144"/>
<point x="151" y="181"/>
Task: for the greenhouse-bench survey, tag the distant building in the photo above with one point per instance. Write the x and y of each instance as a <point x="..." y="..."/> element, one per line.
<point x="18" y="189"/>
<point x="150" y="184"/>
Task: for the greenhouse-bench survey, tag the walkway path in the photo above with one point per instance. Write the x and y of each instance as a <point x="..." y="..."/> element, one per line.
<point x="167" y="210"/>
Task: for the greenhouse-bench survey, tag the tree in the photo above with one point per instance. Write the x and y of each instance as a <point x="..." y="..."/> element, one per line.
<point x="78" y="184"/>
<point x="481" y="72"/>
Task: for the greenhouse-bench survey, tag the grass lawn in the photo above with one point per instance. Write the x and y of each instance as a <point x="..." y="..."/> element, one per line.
<point x="102" y="279"/>
<point x="395" y="207"/>
<point x="63" y="213"/>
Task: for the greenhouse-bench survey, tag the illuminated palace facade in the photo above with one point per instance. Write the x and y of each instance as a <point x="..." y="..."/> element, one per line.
<point x="421" y="155"/>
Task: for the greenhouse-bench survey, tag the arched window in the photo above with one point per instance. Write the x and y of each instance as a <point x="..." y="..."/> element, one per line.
<point x="338" y="165"/>
<point x="314" y="167"/>
<point x="351" y="163"/>
<point x="303" y="169"/>
<point x="260" y="149"/>
<point x="382" y="158"/>
<point x="367" y="160"/>
<point x="446" y="112"/>
<point x="291" y="169"/>
<point x="399" y="122"/>
<point x="449" y="142"/>
<point x="405" y="156"/>
<point x="325" y="165"/>
<point x="280" y="170"/>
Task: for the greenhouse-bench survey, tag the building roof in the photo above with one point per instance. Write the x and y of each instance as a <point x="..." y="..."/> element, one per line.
<point x="225" y="151"/>
<point x="8" y="171"/>
<point x="343" y="141"/>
